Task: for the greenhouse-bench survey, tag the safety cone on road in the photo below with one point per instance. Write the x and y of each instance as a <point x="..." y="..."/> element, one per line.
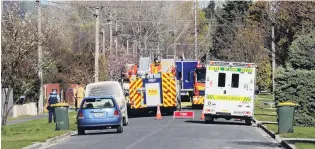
<point x="202" y="117"/>
<point x="158" y="113"/>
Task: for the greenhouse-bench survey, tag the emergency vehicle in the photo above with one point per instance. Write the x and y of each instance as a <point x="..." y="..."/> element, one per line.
<point x="155" y="84"/>
<point x="199" y="81"/>
<point x="230" y="91"/>
<point x="185" y="74"/>
<point x="129" y="71"/>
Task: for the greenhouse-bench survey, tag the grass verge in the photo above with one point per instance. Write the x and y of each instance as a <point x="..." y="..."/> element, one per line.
<point x="263" y="113"/>
<point x="24" y="134"/>
<point x="304" y="145"/>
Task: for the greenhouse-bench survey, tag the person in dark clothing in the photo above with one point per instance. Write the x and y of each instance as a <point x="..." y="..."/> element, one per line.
<point x="53" y="99"/>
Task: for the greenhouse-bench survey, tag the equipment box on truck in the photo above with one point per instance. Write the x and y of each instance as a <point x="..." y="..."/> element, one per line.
<point x="230" y="91"/>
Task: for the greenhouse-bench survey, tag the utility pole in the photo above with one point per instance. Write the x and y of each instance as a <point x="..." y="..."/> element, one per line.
<point x="196" y="33"/>
<point x="273" y="57"/>
<point x="97" y="46"/>
<point x="40" y="57"/>
<point x="127" y="47"/>
<point x="110" y="33"/>
<point x="116" y="37"/>
<point x="103" y="40"/>
<point x="174" y="31"/>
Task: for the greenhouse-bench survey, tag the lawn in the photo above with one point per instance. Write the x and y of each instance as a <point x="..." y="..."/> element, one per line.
<point x="24" y="134"/>
<point x="264" y="113"/>
<point x="304" y="145"/>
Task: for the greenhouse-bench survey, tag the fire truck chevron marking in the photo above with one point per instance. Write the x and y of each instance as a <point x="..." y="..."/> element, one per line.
<point x="169" y="89"/>
<point x="133" y="94"/>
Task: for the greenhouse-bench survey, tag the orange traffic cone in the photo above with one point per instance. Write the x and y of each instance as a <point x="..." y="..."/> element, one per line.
<point x="202" y="117"/>
<point x="158" y="113"/>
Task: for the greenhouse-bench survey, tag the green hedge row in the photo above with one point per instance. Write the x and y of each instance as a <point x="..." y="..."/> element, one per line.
<point x="297" y="86"/>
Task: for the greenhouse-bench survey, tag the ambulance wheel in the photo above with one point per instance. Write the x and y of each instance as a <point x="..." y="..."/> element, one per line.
<point x="209" y="119"/>
<point x="248" y="122"/>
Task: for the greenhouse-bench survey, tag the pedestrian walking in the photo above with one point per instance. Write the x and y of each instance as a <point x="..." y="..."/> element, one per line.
<point x="53" y="99"/>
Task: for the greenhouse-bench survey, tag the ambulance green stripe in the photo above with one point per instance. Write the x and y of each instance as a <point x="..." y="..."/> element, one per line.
<point x="216" y="68"/>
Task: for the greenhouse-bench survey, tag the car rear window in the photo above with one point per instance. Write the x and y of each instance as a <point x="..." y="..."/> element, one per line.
<point x="98" y="103"/>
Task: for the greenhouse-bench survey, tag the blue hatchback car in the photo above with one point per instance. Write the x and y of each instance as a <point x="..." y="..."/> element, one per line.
<point x="96" y="113"/>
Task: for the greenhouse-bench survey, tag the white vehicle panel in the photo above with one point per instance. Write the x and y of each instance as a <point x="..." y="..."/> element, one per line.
<point x="153" y="94"/>
<point x="229" y="92"/>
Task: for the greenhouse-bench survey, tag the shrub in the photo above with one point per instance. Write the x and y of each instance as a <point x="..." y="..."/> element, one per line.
<point x="297" y="86"/>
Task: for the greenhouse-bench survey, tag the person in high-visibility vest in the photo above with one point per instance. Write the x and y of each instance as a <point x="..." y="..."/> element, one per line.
<point x="78" y="93"/>
<point x="173" y="70"/>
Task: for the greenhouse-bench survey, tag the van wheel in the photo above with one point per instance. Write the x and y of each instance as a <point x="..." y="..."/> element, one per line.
<point x="209" y="120"/>
<point x="120" y="128"/>
<point x="248" y="122"/>
<point x="81" y="131"/>
<point x="125" y="123"/>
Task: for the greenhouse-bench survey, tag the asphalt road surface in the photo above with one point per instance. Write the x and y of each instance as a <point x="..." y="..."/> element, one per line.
<point x="147" y="133"/>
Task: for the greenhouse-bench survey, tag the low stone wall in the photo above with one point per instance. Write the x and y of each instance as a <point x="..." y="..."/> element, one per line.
<point x="25" y="109"/>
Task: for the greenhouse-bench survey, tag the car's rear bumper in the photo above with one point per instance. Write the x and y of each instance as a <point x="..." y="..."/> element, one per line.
<point x="99" y="123"/>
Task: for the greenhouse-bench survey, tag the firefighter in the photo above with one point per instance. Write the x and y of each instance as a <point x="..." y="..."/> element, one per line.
<point x="173" y="70"/>
<point x="155" y="67"/>
<point x="53" y="99"/>
<point x="78" y="94"/>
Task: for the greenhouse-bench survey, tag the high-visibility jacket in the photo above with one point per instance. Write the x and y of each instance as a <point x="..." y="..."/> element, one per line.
<point x="155" y="69"/>
<point x="173" y="70"/>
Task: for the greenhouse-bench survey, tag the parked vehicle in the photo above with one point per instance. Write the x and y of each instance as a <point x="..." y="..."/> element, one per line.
<point x="110" y="88"/>
<point x="99" y="112"/>
<point x="230" y="91"/>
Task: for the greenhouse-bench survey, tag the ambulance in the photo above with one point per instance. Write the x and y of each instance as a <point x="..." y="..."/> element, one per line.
<point x="230" y="91"/>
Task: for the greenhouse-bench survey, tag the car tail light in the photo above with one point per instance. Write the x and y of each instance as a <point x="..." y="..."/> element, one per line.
<point x="80" y="115"/>
<point x="116" y="113"/>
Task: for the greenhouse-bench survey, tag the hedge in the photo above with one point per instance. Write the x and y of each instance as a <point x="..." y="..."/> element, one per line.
<point x="297" y="86"/>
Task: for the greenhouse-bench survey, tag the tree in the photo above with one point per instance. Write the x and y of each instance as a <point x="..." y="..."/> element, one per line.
<point x="229" y="19"/>
<point x="302" y="51"/>
<point x="19" y="45"/>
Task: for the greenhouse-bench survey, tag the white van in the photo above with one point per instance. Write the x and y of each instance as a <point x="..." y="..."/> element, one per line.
<point x="230" y="91"/>
<point x="109" y="88"/>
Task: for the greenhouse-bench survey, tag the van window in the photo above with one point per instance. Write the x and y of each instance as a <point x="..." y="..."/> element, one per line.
<point x="221" y="82"/>
<point x="110" y="90"/>
<point x="235" y="80"/>
<point x="97" y="103"/>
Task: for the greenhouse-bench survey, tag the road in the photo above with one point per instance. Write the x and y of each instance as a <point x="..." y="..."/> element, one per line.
<point x="145" y="132"/>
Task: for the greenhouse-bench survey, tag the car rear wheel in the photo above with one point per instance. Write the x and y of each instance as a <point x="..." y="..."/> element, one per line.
<point x="81" y="131"/>
<point x="120" y="128"/>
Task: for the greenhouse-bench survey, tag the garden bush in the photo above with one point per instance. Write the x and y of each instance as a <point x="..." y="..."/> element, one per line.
<point x="297" y="86"/>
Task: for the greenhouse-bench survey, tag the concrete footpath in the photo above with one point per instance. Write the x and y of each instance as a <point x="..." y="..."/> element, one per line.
<point x="29" y="118"/>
